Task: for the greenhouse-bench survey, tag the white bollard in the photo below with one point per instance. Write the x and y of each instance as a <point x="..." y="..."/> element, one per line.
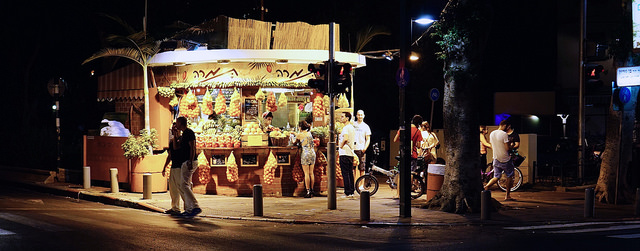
<point x="86" y="177"/>
<point x="114" y="180"/>
<point x="146" y="186"/>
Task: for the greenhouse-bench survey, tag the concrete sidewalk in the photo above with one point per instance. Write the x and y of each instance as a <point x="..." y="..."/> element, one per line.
<point x="532" y="206"/>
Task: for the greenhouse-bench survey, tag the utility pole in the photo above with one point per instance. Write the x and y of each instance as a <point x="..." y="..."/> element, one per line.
<point x="581" y="117"/>
<point x="331" y="151"/>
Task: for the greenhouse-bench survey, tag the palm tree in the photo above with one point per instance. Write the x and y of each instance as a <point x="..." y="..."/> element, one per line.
<point x="136" y="46"/>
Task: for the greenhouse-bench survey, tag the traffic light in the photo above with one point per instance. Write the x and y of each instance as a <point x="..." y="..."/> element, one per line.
<point x="342" y="77"/>
<point x="320" y="80"/>
<point x="593" y="73"/>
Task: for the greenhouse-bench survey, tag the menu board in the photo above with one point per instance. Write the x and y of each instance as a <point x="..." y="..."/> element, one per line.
<point x="250" y="109"/>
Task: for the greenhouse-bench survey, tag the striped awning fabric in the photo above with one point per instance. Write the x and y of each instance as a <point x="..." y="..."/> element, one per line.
<point x="123" y="83"/>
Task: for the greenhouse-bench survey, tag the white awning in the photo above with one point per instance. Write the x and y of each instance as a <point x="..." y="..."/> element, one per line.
<point x="181" y="57"/>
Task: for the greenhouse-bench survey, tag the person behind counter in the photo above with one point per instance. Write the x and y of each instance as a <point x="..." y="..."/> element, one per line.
<point x="267" y="118"/>
<point x="307" y="157"/>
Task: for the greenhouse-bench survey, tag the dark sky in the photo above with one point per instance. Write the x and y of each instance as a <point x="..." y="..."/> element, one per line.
<point x="45" y="39"/>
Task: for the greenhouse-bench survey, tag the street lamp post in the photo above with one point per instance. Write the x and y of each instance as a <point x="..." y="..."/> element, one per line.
<point x="402" y="78"/>
<point x="56" y="89"/>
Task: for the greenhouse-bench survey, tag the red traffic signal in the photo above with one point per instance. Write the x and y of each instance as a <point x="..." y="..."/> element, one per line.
<point x="320" y="82"/>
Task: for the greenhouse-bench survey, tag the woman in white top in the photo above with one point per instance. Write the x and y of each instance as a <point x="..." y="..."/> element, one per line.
<point x="429" y="143"/>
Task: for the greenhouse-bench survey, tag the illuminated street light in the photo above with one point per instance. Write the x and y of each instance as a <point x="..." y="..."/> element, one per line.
<point x="424" y="21"/>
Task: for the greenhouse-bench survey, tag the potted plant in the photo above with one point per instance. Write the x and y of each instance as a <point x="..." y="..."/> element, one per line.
<point x="137" y="149"/>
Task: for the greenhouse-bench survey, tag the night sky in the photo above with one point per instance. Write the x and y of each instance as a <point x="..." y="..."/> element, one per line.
<point x="46" y="39"/>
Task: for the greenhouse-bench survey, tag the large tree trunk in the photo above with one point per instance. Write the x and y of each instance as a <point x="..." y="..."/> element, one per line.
<point x="617" y="155"/>
<point x="464" y="33"/>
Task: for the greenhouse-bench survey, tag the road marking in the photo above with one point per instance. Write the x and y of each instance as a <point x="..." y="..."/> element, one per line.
<point x="33" y="223"/>
<point x="625" y="236"/>
<point x="89" y="221"/>
<point x="571" y="225"/>
<point x="590" y="230"/>
<point x="5" y="232"/>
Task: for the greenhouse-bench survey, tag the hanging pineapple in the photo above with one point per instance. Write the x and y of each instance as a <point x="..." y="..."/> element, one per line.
<point x="318" y="107"/>
<point x="232" y="168"/>
<point x="204" y="174"/>
<point x="297" y="173"/>
<point x="326" y="102"/>
<point x="207" y="103"/>
<point x="342" y="101"/>
<point x="260" y="95"/>
<point x="270" y="169"/>
<point x="271" y="102"/>
<point x="221" y="103"/>
<point x="234" y="104"/>
<point x="282" y="100"/>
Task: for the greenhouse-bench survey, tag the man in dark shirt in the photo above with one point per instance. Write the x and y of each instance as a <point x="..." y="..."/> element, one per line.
<point x="175" y="176"/>
<point x="187" y="149"/>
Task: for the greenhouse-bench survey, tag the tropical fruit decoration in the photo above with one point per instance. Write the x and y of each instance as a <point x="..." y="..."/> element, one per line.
<point x="270" y="169"/>
<point x="174" y="101"/>
<point x="282" y="100"/>
<point x="260" y="95"/>
<point x="320" y="167"/>
<point x="207" y="103"/>
<point x="251" y="128"/>
<point x="189" y="106"/>
<point x="232" y="168"/>
<point x="271" y="102"/>
<point x="338" y="170"/>
<point x="326" y="101"/>
<point x="234" y="104"/>
<point x="221" y="103"/>
<point x="318" y="107"/>
<point x="297" y="173"/>
<point x="204" y="174"/>
<point x="342" y="101"/>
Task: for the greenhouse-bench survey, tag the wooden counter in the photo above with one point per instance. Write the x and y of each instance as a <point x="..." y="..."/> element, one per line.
<point x="251" y="161"/>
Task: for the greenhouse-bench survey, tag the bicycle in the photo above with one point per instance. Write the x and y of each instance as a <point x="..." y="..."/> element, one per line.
<point x="369" y="182"/>
<point x="487" y="174"/>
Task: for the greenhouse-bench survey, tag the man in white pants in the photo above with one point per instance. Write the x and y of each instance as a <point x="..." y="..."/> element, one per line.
<point x="189" y="166"/>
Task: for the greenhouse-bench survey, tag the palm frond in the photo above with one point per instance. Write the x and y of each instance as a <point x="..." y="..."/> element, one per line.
<point x="365" y="35"/>
<point x="129" y="53"/>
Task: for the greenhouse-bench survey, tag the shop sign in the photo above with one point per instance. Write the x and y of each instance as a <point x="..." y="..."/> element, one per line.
<point x="628" y="76"/>
<point x="201" y="74"/>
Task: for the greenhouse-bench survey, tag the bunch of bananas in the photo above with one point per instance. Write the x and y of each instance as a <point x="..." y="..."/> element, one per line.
<point x="166" y="92"/>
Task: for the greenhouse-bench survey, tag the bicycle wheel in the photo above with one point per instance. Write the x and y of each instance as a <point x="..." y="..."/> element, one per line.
<point x="367" y="182"/>
<point x="417" y="187"/>
<point x="487" y="174"/>
<point x="517" y="180"/>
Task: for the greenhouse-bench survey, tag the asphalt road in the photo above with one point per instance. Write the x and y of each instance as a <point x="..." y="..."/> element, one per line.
<point x="35" y="221"/>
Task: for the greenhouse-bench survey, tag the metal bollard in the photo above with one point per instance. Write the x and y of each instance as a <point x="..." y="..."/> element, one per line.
<point x="589" y="202"/>
<point x="114" y="180"/>
<point x="365" y="208"/>
<point x="485" y="205"/>
<point x="637" y="204"/>
<point x="86" y="177"/>
<point x="257" y="200"/>
<point x="146" y="186"/>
